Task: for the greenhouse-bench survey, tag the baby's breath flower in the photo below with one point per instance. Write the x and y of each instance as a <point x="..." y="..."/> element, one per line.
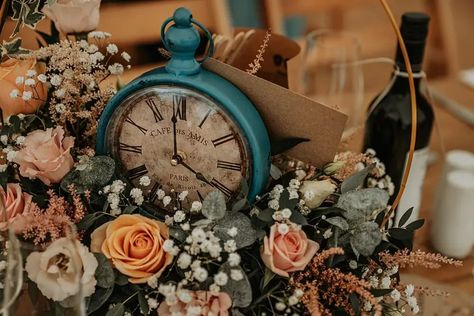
<point x="27" y="95"/>
<point x="184" y="260"/>
<point x="283" y="229"/>
<point x="31" y="73"/>
<point x="179" y="216"/>
<point x="42" y="78"/>
<point x="145" y="181"/>
<point x="20" y="140"/>
<point x="11" y="155"/>
<point x="152" y="303"/>
<point x="200" y="274"/>
<point x="409" y="290"/>
<point x="112" y="49"/>
<point x="196" y="206"/>
<point x="19" y="80"/>
<point x="116" y="69"/>
<point x="183" y="195"/>
<point x="230" y="245"/>
<point x="274" y="204"/>
<point x="4" y="139"/>
<point x="126" y="56"/>
<point x="232" y="232"/>
<point x="395" y="295"/>
<point x="234" y="259"/>
<point x="137" y="195"/>
<point x="14" y="93"/>
<point x="327" y="234"/>
<point x="280" y="306"/>
<point x="236" y="275"/>
<point x="60" y="108"/>
<point x="214" y="288"/>
<point x="286" y="213"/>
<point x="221" y="278"/>
<point x="56" y="80"/>
<point x="168" y="245"/>
<point x="166" y="200"/>
<point x="292" y="300"/>
<point x="99" y="35"/>
<point x="30" y="82"/>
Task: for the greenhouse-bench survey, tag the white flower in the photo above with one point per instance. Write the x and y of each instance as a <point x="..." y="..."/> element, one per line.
<point x="168" y="245"/>
<point x="327" y="234"/>
<point x="236" y="275"/>
<point x="116" y="69"/>
<point x="96" y="57"/>
<point x="183" y="195"/>
<point x="42" y="78"/>
<point x="27" y="95"/>
<point x="137" y="195"/>
<point x="152" y="303"/>
<point x="292" y="300"/>
<point x="280" y="306"/>
<point x="3" y="167"/>
<point x="112" y="49"/>
<point x="145" y="181"/>
<point x="200" y="274"/>
<point x="167" y="289"/>
<point x="179" y="216"/>
<point x="20" y="140"/>
<point x="198" y="234"/>
<point x="214" y="288"/>
<point x="367" y="306"/>
<point x="184" y="296"/>
<point x="254" y="211"/>
<point x="185" y="226"/>
<point x="4" y="139"/>
<point x="385" y="282"/>
<point x="232" y="232"/>
<point x="315" y="192"/>
<point x="62" y="269"/>
<point x="353" y="264"/>
<point x="415" y="309"/>
<point x="196" y="206"/>
<point x="14" y="93"/>
<point x="286" y="213"/>
<point x="60" y="93"/>
<point x="126" y="56"/>
<point x="393" y="270"/>
<point x="152" y="282"/>
<point x="98" y="34"/>
<point x="11" y="155"/>
<point x="410" y="289"/>
<point x="92" y="48"/>
<point x="166" y="200"/>
<point x="234" y="259"/>
<point x="294" y="183"/>
<point x="293" y="193"/>
<point x="221" y="278"/>
<point x="194" y="311"/>
<point x="31" y="73"/>
<point x="277" y="216"/>
<point x="56" y="80"/>
<point x="412" y="302"/>
<point x="374" y="281"/>
<point x="395" y="295"/>
<point x="230" y="245"/>
<point x="299" y="293"/>
<point x="184" y="260"/>
<point x="283" y="229"/>
<point x="19" y="80"/>
<point x="30" y="82"/>
<point x="274" y="204"/>
<point x="160" y="194"/>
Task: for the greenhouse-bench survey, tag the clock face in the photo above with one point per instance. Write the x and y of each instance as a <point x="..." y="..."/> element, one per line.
<point x="182" y="140"/>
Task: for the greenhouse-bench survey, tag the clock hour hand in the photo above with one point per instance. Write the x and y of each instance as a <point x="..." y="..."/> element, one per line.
<point x="199" y="175"/>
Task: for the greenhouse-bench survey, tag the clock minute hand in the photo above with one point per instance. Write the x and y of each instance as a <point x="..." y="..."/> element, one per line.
<point x="175" y="145"/>
<point x="199" y="175"/>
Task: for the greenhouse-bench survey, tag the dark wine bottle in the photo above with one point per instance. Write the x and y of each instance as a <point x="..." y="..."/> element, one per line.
<point x="388" y="125"/>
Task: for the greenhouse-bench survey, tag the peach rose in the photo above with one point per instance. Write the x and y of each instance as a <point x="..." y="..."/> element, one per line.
<point x="46" y="155"/>
<point x="208" y="303"/>
<point x="13" y="202"/>
<point x="15" y="95"/>
<point x="134" y="243"/>
<point x="74" y="16"/>
<point x="287" y="249"/>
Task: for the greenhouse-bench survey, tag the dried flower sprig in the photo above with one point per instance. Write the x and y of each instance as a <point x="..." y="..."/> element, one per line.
<point x="406" y="258"/>
<point x="255" y="65"/>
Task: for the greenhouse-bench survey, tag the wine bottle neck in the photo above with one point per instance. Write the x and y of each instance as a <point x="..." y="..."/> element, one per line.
<point x="401" y="79"/>
<point x="416" y="51"/>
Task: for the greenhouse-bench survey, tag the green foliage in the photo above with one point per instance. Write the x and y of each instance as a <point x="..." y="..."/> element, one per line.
<point x="26" y="12"/>
<point x="214" y="206"/>
<point x="246" y="234"/>
<point x="239" y="291"/>
<point x="92" y="174"/>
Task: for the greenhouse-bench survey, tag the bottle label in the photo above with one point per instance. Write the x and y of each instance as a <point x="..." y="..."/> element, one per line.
<point x="413" y="191"/>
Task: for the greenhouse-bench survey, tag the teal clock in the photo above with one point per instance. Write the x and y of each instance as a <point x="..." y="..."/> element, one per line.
<point x="185" y="128"/>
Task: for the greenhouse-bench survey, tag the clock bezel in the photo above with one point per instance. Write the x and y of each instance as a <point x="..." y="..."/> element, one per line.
<point x="224" y="94"/>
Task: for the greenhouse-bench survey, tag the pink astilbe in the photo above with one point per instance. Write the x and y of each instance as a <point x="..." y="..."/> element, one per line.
<point x="255" y="65"/>
<point x="406" y="258"/>
<point x="42" y="226"/>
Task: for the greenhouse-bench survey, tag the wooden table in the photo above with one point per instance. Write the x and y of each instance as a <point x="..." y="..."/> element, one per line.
<point x="455" y="135"/>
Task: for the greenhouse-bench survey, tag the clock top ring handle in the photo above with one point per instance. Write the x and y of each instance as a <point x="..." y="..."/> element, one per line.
<point x="182" y="40"/>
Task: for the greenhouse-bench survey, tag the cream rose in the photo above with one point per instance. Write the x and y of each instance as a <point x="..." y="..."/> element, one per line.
<point x="315" y="192"/>
<point x="63" y="269"/>
<point x="13" y="69"/>
<point x="74" y="16"/>
<point x="289" y="252"/>
<point x="46" y="155"/>
<point x="14" y="203"/>
<point x="208" y="303"/>
<point x="134" y="243"/>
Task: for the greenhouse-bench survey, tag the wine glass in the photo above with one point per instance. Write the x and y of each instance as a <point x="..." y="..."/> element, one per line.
<point x="11" y="270"/>
<point x="332" y="74"/>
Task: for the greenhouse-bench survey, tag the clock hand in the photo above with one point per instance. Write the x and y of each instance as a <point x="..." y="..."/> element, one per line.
<point x="199" y="175"/>
<point x="175" y="146"/>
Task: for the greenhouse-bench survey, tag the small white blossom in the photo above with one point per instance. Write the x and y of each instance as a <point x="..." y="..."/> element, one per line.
<point x="56" y="80"/>
<point x="184" y="296"/>
<point x="126" y="56"/>
<point x="98" y="35"/>
<point x="385" y="283"/>
<point x="293" y="194"/>
<point x="116" y="69"/>
<point x="221" y="278"/>
<point x="200" y="274"/>
<point x="410" y="289"/>
<point x="234" y="259"/>
<point x="327" y="234"/>
<point x="42" y="78"/>
<point x="3" y="167"/>
<point x="230" y="245"/>
<point x="31" y="73"/>
<point x="274" y="204"/>
<point x="214" y="288"/>
<point x="152" y="282"/>
<point x="283" y="229"/>
<point x="20" y="140"/>
<point x="30" y="82"/>
<point x="374" y="281"/>
<point x="294" y="183"/>
<point x="277" y="216"/>
<point x="137" y="195"/>
<point x="152" y="303"/>
<point x="168" y="245"/>
<point x="236" y="275"/>
<point x="179" y="216"/>
<point x="166" y="200"/>
<point x="367" y="306"/>
<point x="292" y="300"/>
<point x="299" y="293"/>
<point x="395" y="295"/>
<point x="353" y="264"/>
<point x="19" y="80"/>
<point x="145" y="181"/>
<point x="280" y="306"/>
<point x="14" y="93"/>
<point x="97" y="57"/>
<point x="160" y="194"/>
<point x="254" y="211"/>
<point x="60" y="93"/>
<point x="4" y="139"/>
<point x="412" y="302"/>
<point x="232" y="232"/>
<point x="183" y="195"/>
<point x="11" y="155"/>
<point x="193" y="310"/>
<point x="27" y="95"/>
<point x="196" y="206"/>
<point x="184" y="261"/>
<point x="112" y="49"/>
<point x="185" y="226"/>
<point x="286" y="213"/>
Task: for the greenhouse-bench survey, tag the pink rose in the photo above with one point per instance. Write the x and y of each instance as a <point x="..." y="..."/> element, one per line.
<point x="287" y="249"/>
<point x="46" y="155"/>
<point x="14" y="202"/>
<point x="208" y="304"/>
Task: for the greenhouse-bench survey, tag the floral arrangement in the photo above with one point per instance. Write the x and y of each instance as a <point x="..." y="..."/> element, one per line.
<point x="312" y="244"/>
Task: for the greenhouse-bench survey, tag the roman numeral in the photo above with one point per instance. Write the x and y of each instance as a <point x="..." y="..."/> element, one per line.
<point x="154" y="108"/>
<point x="153" y="195"/>
<point x="219" y="186"/>
<point x="179" y="106"/>
<point x="205" y="118"/>
<point x="229" y="165"/>
<point x="136" y="172"/>
<point x="223" y="139"/>
<point x="199" y="195"/>
<point x="130" y="121"/>
<point x="130" y="148"/>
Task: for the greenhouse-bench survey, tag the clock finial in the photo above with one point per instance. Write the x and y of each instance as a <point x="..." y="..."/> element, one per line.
<point x="182" y="40"/>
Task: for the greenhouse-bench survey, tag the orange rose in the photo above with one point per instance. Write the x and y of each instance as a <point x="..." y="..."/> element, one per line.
<point x="13" y="202"/>
<point x="46" y="155"/>
<point x="287" y="249"/>
<point x="134" y="243"/>
<point x="13" y="77"/>
<point x="209" y="304"/>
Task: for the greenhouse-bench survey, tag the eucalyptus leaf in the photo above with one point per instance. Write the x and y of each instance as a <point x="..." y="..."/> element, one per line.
<point x="213" y="206"/>
<point x="100" y="296"/>
<point x="356" y="180"/>
<point x="117" y="310"/>
<point x="365" y="238"/>
<point x="120" y="279"/>
<point x="239" y="205"/>
<point x="178" y="234"/>
<point x="92" y="174"/>
<point x="104" y="274"/>
<point x="269" y="275"/>
<point x="239" y="291"/>
<point x="202" y="222"/>
<point x="236" y="312"/>
<point x="246" y="234"/>
<point x="360" y="204"/>
<point x="143" y="303"/>
<point x="338" y="222"/>
<point x="129" y="209"/>
<point x="266" y="215"/>
<point x="298" y="218"/>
